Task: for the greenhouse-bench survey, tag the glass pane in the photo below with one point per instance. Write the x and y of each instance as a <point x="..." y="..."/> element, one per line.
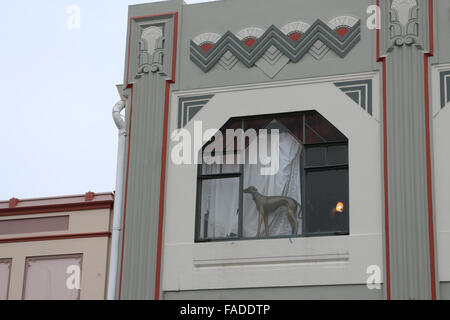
<point x="312" y="136"/>
<point x="448" y="89"/>
<point x="316" y="157"/>
<point x="259" y="123"/>
<point x="219" y="209"/>
<point x="294" y="123"/>
<point x="5" y="269"/>
<point x="337" y="155"/>
<point x="232" y="141"/>
<point x="327" y="202"/>
<point x="34" y="225"/>
<point x="279" y="194"/>
<point x="319" y="130"/>
<point x="213" y="169"/>
<point x="326" y="156"/>
<point x="220" y="142"/>
<point x="52" y="278"/>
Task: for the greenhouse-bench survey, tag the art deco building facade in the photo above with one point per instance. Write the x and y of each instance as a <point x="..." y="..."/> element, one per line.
<point x="359" y="98"/>
<point x="352" y="203"/>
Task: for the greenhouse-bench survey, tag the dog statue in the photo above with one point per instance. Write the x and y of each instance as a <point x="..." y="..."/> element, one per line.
<point x="267" y="205"/>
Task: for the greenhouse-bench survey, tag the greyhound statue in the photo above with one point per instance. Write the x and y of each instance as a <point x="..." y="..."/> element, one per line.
<point x="267" y="205"/>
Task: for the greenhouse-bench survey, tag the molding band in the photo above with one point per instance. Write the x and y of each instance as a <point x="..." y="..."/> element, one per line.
<point x="57" y="237"/>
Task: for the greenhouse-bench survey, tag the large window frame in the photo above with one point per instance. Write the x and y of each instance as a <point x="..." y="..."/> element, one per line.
<point x="305" y="168"/>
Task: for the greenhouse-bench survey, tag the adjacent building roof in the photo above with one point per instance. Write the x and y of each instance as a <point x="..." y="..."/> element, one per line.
<point x="88" y="201"/>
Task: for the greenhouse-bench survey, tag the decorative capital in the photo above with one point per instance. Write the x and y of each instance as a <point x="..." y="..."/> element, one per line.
<point x="404" y="22"/>
<point x="151" y="51"/>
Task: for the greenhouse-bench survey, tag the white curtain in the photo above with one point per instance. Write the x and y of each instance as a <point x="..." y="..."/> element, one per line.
<point x="285" y="183"/>
<point x="220" y="198"/>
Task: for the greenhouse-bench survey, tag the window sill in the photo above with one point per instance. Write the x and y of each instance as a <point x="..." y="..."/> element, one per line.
<point x="284" y="262"/>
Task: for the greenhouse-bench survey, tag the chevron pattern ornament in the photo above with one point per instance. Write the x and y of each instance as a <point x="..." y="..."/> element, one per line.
<point x="207" y="40"/>
<point x="271" y="50"/>
<point x="319" y="50"/>
<point x="188" y="107"/>
<point x="359" y="91"/>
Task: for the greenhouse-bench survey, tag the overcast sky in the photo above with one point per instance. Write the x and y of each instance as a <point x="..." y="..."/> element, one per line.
<point x="57" y="91"/>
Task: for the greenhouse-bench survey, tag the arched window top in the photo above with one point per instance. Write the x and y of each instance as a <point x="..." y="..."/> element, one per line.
<point x="308" y="127"/>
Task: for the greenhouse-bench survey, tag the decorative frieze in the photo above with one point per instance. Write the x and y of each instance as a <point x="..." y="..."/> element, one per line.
<point x="271" y="50"/>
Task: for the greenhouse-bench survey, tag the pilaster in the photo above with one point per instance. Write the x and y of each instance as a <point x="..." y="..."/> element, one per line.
<point x="405" y="44"/>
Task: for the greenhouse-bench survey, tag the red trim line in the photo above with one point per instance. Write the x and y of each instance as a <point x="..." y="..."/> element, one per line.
<point x="428" y="152"/>
<point x="385" y="159"/>
<point x="163" y="153"/>
<point x="164" y="159"/>
<point x="429" y="182"/>
<point x="58" y="237"/>
<point x="82" y="206"/>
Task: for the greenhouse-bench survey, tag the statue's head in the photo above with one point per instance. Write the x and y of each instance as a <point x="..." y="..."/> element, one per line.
<point x="251" y="190"/>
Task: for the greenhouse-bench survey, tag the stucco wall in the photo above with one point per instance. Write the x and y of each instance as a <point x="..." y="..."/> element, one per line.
<point x="87" y="235"/>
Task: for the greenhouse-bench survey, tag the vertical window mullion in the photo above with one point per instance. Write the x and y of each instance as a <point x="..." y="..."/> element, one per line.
<point x="198" y="224"/>
<point x="241" y="203"/>
<point x="303" y="175"/>
<point x="241" y="185"/>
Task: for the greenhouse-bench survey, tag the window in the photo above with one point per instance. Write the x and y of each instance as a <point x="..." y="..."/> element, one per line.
<point x="52" y="278"/>
<point x="34" y="225"/>
<point x="273" y="176"/>
<point x="5" y="271"/>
